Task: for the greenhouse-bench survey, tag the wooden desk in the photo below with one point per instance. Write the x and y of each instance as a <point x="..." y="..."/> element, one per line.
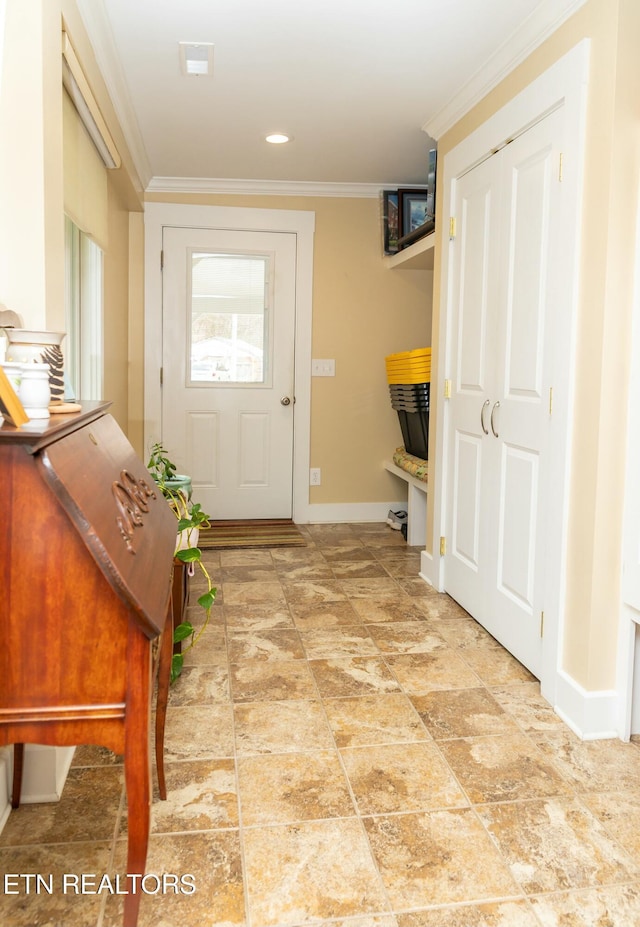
<point x="86" y="554"/>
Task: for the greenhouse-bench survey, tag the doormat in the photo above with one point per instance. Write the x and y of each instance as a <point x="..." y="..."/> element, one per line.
<point x="262" y="532"/>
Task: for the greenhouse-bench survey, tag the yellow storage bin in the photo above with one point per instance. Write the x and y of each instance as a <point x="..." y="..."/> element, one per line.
<point x="409" y="366"/>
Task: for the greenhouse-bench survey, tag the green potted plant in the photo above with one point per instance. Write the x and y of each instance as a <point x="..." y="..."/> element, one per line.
<point x="176" y="488"/>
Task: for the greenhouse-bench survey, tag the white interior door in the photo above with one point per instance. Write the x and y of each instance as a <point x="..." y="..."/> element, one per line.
<point x="504" y="288"/>
<point x="228" y="367"/>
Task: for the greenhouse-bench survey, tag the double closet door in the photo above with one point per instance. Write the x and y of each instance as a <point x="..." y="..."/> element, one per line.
<point x="502" y="290"/>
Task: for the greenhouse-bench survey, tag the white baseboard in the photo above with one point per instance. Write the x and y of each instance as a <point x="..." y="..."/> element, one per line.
<point x="590" y="715"/>
<point x="430" y="569"/>
<point x="5" y="785"/>
<point x="339" y="512"/>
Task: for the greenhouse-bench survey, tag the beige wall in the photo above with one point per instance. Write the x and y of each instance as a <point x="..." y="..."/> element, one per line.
<point x="361" y="312"/>
<point x="604" y="319"/>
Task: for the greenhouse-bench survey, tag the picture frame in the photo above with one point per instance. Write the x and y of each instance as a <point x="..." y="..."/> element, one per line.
<point x="412" y="208"/>
<point x="390" y="222"/>
<point x="11" y="409"/>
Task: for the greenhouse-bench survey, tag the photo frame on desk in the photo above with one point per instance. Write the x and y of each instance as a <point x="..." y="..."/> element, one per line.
<point x="11" y="408"/>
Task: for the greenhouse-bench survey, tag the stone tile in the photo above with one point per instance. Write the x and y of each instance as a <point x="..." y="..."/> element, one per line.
<point x="200" y="685"/>
<point x="281" y="727"/>
<point x="253" y="617"/>
<point x="87" y="810"/>
<point x="615" y="906"/>
<point x="199" y="732"/>
<point x="526" y="705"/>
<point x="466" y="633"/>
<point x="249" y="573"/>
<point x="338" y="642"/>
<point x="293" y="787"/>
<point x="91" y="755"/>
<point x="300" y="873"/>
<point x="462" y="713"/>
<point x="277" y="680"/>
<point x="287" y="556"/>
<point x="201" y="795"/>
<point x="354" y="552"/>
<point x="358" y="569"/>
<point x="440" y="606"/>
<point x="305" y="572"/>
<point x="49" y="905"/>
<point x="405" y="567"/>
<point x="502" y="768"/>
<point x="310" y="593"/>
<point x="421" y="673"/>
<point x="437" y="858"/>
<point x="385" y="779"/>
<point x="496" y="914"/>
<point x="418" y="587"/>
<point x="406" y="637"/>
<point x="210" y="648"/>
<point x="619" y="813"/>
<point x="372" y="611"/>
<point x="593" y="766"/>
<point x="325" y="615"/>
<point x="236" y="558"/>
<point x="210" y="862"/>
<point x="381" y="588"/>
<point x="260" y="594"/>
<point x="495" y="666"/>
<point x="265" y="645"/>
<point x="374" y="719"/>
<point x="345" y="676"/>
<point x="556" y="844"/>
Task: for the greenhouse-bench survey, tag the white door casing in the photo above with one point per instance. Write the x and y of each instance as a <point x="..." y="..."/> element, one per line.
<point x="562" y="87"/>
<point x="300" y="223"/>
<point x="235" y="439"/>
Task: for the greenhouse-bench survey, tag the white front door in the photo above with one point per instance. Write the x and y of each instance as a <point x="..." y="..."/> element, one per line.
<point x="228" y="309"/>
<point x="503" y="289"/>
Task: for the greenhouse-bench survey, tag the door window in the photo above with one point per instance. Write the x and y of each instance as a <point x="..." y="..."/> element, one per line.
<point x="229" y="319"/>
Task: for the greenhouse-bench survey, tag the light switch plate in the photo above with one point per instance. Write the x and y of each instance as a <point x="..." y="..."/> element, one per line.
<point x="323" y="368"/>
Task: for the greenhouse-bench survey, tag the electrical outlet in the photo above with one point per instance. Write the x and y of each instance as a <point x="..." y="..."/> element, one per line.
<point x="314" y="476"/>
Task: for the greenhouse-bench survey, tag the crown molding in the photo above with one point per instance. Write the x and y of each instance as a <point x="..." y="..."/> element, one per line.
<point x="548" y="16"/>
<point x="96" y="22"/>
<point x="266" y="187"/>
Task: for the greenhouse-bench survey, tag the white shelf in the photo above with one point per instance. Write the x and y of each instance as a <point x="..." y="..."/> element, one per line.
<point x="418" y="256"/>
<point x="416" y="505"/>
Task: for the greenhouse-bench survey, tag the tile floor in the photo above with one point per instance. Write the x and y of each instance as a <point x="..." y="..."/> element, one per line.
<point x="346" y="746"/>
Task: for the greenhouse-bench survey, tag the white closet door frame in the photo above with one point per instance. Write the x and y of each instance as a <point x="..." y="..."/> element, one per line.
<point x="563" y="85"/>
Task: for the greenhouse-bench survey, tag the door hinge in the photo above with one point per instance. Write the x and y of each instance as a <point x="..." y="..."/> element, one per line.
<point x="447" y="389"/>
<point x="541" y="624"/>
<point x="560" y="166"/>
<point x="551" y="400"/>
<point x="443" y="546"/>
<point x="161" y="376"/>
<point x="452" y="228"/>
<point x="162" y="260"/>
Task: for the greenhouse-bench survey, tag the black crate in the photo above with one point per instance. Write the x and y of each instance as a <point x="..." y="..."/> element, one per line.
<point x="415" y="432"/>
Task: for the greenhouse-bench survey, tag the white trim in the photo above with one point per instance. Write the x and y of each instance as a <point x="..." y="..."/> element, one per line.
<point x="590" y="715"/>
<point x="302" y="224"/>
<point x="96" y="22"/>
<point x="563" y="84"/>
<point x="349" y="512"/>
<point x="209" y="185"/>
<point x="542" y="23"/>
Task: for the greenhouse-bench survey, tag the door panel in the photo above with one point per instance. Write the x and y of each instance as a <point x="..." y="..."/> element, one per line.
<point x="498" y="494"/>
<point x="228" y="360"/>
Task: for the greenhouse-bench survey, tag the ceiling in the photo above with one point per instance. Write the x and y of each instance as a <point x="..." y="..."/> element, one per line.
<point x="357" y="83"/>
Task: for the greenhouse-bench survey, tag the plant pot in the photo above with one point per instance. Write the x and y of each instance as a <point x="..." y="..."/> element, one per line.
<point x="180" y="483"/>
<point x="187" y="538"/>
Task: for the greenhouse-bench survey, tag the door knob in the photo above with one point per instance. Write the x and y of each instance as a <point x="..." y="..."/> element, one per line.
<point x="285" y="401"/>
<point x="484" y="406"/>
<point x="496" y="405"/>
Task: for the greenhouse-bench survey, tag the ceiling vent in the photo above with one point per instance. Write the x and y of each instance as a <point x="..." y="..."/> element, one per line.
<point x="196" y="58"/>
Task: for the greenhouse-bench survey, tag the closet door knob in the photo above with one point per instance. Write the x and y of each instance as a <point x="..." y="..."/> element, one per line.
<point x="496" y="405"/>
<point x="484" y="406"/>
<point x="285" y="401"/>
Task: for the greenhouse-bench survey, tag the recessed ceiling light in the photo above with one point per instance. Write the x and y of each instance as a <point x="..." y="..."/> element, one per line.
<point x="196" y="58"/>
<point x="277" y="138"/>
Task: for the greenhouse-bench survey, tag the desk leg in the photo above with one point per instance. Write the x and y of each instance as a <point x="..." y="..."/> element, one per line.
<point x="18" y="763"/>
<point x="137" y="772"/>
<point x="164" y="679"/>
